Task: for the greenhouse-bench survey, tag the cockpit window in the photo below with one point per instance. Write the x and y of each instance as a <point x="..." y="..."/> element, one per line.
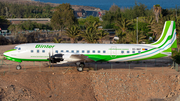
<point x="16" y="48"/>
<point x="19" y="48"/>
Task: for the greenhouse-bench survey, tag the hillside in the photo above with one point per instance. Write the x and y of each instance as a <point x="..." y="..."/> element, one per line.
<point x="76" y="7"/>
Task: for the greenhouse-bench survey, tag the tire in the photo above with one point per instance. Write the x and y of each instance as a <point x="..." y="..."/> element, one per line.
<point x="80" y="69"/>
<point x="18" y="67"/>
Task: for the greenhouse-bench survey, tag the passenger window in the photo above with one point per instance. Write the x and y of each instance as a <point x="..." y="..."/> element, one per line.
<point x="61" y="50"/>
<point x="77" y="51"/>
<point x="127" y="51"/>
<point x="122" y="51"/>
<point x="139" y="51"/>
<point x="88" y="51"/>
<point x="99" y="51"/>
<point x="72" y="51"/>
<point x="82" y="51"/>
<point x="31" y="51"/>
<point x="93" y="51"/>
<point x="43" y="51"/>
<point x="56" y="51"/>
<point x="37" y="51"/>
<point x="133" y="51"/>
<point x="104" y="51"/>
<point x="67" y="50"/>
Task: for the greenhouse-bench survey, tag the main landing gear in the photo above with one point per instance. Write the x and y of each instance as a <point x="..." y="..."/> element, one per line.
<point x="80" y="66"/>
<point x="18" y="67"/>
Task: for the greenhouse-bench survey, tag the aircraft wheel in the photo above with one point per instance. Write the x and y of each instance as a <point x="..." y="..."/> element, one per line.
<point x="18" y="67"/>
<point x="80" y="69"/>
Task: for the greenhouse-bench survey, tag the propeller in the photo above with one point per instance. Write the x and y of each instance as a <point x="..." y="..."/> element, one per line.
<point x="49" y="60"/>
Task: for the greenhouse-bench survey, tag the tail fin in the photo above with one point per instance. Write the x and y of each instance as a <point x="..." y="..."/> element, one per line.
<point x="168" y="37"/>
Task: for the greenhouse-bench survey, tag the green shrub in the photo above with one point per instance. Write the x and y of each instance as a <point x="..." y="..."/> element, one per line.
<point x="176" y="56"/>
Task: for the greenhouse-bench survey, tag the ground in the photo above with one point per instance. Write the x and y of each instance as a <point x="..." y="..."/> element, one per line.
<point x="136" y="81"/>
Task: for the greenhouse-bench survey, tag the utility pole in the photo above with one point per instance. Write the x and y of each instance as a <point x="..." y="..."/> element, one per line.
<point x="137" y="30"/>
<point x="6" y="12"/>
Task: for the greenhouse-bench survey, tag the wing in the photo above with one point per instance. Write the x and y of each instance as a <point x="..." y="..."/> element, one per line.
<point x="83" y="57"/>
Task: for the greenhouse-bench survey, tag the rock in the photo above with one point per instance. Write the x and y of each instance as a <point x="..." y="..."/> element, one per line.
<point x="171" y="94"/>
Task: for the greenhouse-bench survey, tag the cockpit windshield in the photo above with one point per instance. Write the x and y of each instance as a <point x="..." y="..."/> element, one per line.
<point x="18" y="48"/>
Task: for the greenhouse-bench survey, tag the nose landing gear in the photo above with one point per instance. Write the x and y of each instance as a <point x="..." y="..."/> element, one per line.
<point x="18" y="67"/>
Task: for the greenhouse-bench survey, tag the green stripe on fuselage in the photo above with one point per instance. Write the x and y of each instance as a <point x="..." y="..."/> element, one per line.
<point x="159" y="55"/>
<point x="20" y="60"/>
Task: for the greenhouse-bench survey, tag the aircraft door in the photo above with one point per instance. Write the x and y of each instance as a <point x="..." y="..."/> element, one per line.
<point x="113" y="51"/>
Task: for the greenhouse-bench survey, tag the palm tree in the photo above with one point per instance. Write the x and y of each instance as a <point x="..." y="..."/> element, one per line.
<point x="73" y="32"/>
<point x="123" y="24"/>
<point x="90" y="35"/>
<point x="157" y="11"/>
<point x="132" y="37"/>
<point x="57" y="40"/>
<point x="157" y="28"/>
<point x="102" y="34"/>
<point x="121" y="36"/>
<point x="94" y="24"/>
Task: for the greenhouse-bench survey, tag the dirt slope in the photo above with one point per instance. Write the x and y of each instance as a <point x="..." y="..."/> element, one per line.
<point x="62" y="84"/>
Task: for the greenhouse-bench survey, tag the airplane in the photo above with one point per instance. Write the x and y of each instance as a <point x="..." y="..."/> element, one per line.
<point x="82" y="53"/>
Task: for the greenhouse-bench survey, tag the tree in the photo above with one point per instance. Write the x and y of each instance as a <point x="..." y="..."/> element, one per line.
<point x="121" y="36"/>
<point x="157" y="28"/>
<point x="176" y="56"/>
<point x="114" y="8"/>
<point x="123" y="24"/>
<point x="101" y="34"/>
<point x="110" y="18"/>
<point x="157" y="11"/>
<point x="92" y="20"/>
<point x="131" y="37"/>
<point x="4" y="41"/>
<point x="90" y="35"/>
<point x="57" y="40"/>
<point x="139" y="10"/>
<point x="63" y="17"/>
<point x="4" y="23"/>
<point x="73" y="32"/>
<point x="20" y="38"/>
<point x="33" y="37"/>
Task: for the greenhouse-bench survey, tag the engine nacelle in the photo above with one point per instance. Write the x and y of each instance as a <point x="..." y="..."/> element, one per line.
<point x="59" y="57"/>
<point x="56" y="58"/>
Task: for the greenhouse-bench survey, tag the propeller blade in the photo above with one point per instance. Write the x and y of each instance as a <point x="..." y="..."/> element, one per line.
<point x="49" y="60"/>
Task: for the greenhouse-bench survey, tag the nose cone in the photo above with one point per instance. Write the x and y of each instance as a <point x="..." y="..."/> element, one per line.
<point x="7" y="53"/>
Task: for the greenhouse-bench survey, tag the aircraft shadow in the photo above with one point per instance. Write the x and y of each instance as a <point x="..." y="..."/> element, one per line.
<point x="116" y="65"/>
